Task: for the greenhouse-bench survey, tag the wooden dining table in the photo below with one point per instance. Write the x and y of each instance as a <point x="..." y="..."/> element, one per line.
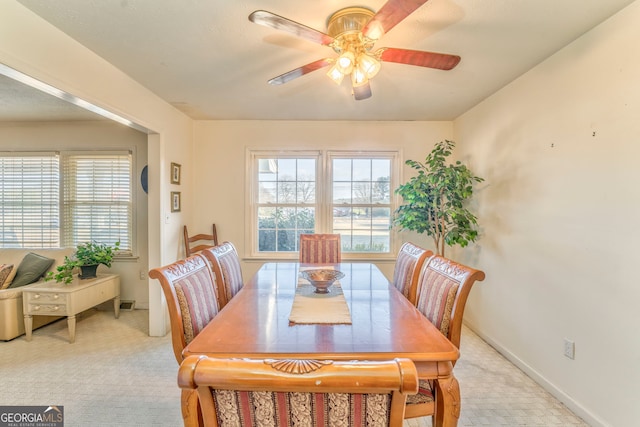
<point x="384" y="325"/>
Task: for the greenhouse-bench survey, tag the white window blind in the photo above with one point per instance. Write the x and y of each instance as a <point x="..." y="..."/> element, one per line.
<point x="29" y="200"/>
<point x="97" y="200"/>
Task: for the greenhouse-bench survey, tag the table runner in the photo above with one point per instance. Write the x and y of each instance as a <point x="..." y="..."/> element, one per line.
<point x="309" y="307"/>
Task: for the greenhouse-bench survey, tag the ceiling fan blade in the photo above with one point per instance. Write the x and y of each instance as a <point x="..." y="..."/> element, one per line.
<point x="300" y="71"/>
<point x="392" y="12"/>
<point x="278" y="22"/>
<point x="362" y="92"/>
<point x="441" y="61"/>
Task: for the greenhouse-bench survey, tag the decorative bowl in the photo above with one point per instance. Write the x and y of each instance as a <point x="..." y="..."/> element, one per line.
<point x="321" y="279"/>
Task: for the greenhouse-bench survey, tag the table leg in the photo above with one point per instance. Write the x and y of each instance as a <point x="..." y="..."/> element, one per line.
<point x="71" y="323"/>
<point x="116" y="306"/>
<point x="447" y="402"/>
<point x="28" y="326"/>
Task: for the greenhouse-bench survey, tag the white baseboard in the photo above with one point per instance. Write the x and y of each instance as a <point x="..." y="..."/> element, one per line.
<point x="566" y="400"/>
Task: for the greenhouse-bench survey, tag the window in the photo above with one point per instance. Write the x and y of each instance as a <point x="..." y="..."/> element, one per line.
<point x="323" y="192"/>
<point x="97" y="202"/>
<point x="361" y="202"/>
<point x="29" y="200"/>
<point x="286" y="201"/>
<point x="91" y="199"/>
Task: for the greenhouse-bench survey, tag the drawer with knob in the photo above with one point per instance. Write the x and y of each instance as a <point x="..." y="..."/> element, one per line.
<point x="46" y="297"/>
<point x="35" y="308"/>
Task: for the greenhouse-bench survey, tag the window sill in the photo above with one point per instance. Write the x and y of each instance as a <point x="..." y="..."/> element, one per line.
<point x="355" y="258"/>
<point x="126" y="258"/>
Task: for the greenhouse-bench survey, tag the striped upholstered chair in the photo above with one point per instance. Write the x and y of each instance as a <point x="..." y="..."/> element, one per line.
<point x="320" y="249"/>
<point x="189" y="287"/>
<point x="283" y="393"/>
<point x="443" y="288"/>
<point x="407" y="270"/>
<point x="225" y="262"/>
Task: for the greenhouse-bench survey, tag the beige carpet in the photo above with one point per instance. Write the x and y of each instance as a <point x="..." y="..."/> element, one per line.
<point x="116" y="375"/>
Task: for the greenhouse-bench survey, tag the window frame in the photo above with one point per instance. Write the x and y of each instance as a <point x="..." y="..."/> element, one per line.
<point x="324" y="197"/>
<point x="393" y="156"/>
<point x="251" y="191"/>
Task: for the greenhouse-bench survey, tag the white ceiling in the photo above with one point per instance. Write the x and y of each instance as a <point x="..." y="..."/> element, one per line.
<point x="22" y="103"/>
<point x="207" y="59"/>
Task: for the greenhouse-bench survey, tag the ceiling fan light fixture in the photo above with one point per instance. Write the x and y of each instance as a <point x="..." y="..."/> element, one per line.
<point x="335" y="74"/>
<point x="345" y="62"/>
<point x="348" y="20"/>
<point x="359" y="77"/>
<point x="375" y="31"/>
<point x="369" y="65"/>
<point x="352" y="33"/>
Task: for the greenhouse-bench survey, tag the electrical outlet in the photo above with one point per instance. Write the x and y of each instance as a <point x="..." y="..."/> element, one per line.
<point x="569" y="349"/>
<point x="143" y="275"/>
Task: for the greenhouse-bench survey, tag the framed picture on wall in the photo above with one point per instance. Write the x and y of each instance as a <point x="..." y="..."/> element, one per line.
<point x="175" y="173"/>
<point x="175" y="201"/>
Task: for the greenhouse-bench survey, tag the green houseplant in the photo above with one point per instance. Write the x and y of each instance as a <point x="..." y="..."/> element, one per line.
<point x="90" y="254"/>
<point x="434" y="200"/>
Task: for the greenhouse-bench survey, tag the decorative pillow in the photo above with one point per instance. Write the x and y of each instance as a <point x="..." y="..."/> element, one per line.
<point x="31" y="268"/>
<point x="8" y="280"/>
<point x="5" y="272"/>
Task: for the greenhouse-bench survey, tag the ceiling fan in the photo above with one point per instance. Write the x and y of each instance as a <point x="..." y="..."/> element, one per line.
<point x="352" y="33"/>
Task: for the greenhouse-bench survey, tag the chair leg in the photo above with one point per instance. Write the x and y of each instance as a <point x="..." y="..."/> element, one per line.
<point x="191" y="413"/>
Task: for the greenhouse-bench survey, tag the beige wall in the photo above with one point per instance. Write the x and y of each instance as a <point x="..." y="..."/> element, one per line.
<point x="90" y="135"/>
<point x="220" y="161"/>
<point x="36" y="48"/>
<point x="559" y="148"/>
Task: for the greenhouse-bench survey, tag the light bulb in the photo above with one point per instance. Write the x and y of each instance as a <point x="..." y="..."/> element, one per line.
<point x="359" y="77"/>
<point x="345" y="62"/>
<point x="335" y="74"/>
<point x="374" y="31"/>
<point x="369" y="65"/>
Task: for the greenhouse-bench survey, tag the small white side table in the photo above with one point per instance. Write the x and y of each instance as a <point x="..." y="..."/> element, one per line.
<point x="58" y="299"/>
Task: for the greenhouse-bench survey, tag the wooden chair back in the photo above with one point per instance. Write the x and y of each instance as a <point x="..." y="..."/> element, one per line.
<point x="189" y="287"/>
<point x="320" y="249"/>
<point x="198" y="242"/>
<point x="225" y="262"/>
<point x="443" y="288"/>
<point x="407" y="270"/>
<point x="299" y="392"/>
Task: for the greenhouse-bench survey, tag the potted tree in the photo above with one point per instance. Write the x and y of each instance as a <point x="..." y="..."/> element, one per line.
<point x="434" y="200"/>
<point x="87" y="258"/>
